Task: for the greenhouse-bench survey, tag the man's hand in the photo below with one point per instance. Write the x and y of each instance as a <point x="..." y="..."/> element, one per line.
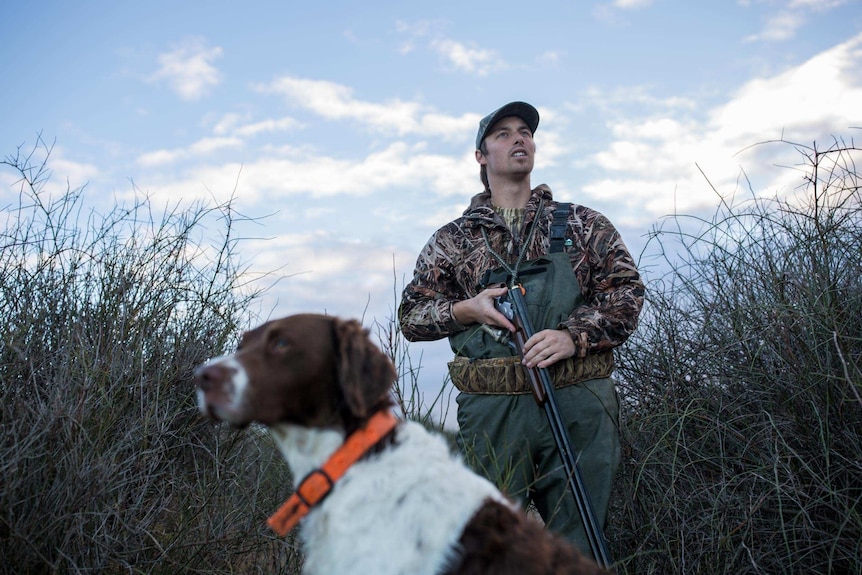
<point x="547" y="347"/>
<point x="480" y="309"/>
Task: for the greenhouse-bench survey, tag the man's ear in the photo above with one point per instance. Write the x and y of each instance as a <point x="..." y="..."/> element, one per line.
<point x="480" y="157"/>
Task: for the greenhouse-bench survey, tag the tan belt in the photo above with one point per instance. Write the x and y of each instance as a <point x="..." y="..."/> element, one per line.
<point x="506" y="376"/>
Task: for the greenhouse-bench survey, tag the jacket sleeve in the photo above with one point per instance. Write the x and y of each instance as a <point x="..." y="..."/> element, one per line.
<point x="612" y="288"/>
<point x="425" y="312"/>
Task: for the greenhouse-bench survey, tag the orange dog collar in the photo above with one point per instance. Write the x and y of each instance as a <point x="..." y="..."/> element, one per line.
<point x="315" y="486"/>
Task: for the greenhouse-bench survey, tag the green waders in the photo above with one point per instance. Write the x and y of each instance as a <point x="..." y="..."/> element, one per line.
<point x="507" y="439"/>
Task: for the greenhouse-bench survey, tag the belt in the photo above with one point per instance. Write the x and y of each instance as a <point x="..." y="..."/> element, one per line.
<point x="506" y="376"/>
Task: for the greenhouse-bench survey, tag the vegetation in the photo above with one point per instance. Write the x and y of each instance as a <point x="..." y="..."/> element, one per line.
<point x="105" y="464"/>
<point x="743" y="434"/>
<point x="742" y="389"/>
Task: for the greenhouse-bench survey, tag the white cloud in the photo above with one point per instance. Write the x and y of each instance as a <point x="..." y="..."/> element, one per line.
<point x="200" y="148"/>
<point x="628" y="4"/>
<point x="228" y="123"/>
<point x="654" y="163"/>
<point x="610" y="12"/>
<point x="267" y="126"/>
<point x="551" y="145"/>
<point x="317" y="266"/>
<point x="818" y="4"/>
<point x="550" y="58"/>
<point x="467" y="58"/>
<point x="821" y="92"/>
<point x="458" y="55"/>
<point x="611" y="102"/>
<point x="74" y="174"/>
<point x="239" y="125"/>
<point x="790" y="18"/>
<point x="160" y="157"/>
<point x="62" y="175"/>
<point x="414" y="31"/>
<point x="189" y="69"/>
<point x="336" y="102"/>
<point x="290" y="172"/>
<point x="778" y="27"/>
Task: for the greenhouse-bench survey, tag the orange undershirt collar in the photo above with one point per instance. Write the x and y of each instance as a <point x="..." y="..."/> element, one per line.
<point x="319" y="482"/>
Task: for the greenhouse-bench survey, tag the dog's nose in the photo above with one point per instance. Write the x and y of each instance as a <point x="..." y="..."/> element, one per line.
<point x="208" y="375"/>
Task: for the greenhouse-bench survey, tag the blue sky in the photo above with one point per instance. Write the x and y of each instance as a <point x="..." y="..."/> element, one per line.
<point x="351" y="125"/>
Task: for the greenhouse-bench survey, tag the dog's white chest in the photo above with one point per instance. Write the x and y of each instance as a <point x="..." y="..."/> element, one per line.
<point x="400" y="512"/>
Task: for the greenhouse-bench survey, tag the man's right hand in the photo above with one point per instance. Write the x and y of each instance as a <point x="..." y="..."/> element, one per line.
<point x="480" y="309"/>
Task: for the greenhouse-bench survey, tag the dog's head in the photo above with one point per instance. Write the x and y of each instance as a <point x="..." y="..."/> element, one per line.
<point x="308" y="369"/>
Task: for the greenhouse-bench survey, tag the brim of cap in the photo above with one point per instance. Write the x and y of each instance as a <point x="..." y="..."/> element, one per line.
<point x="522" y="110"/>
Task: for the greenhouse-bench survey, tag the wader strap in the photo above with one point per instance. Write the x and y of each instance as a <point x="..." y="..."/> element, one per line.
<point x="558" y="227"/>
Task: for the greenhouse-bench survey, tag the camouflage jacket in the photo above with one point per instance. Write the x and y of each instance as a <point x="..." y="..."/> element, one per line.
<point x="453" y="261"/>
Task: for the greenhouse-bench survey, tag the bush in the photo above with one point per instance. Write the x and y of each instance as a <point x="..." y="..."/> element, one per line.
<point x="743" y="439"/>
<point x="105" y="464"/>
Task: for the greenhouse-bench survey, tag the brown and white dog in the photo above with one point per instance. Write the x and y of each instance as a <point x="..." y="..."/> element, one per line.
<point x="408" y="506"/>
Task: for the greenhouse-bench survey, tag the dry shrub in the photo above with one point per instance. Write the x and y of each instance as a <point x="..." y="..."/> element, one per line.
<point x="105" y="464"/>
<point x="743" y="439"/>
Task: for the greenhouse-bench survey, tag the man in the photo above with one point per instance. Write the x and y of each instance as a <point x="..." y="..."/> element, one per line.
<point x="584" y="294"/>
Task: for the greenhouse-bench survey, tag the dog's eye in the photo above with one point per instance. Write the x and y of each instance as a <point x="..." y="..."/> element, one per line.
<point x="279" y="344"/>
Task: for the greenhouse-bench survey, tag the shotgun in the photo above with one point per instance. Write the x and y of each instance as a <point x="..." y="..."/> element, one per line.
<point x="513" y="307"/>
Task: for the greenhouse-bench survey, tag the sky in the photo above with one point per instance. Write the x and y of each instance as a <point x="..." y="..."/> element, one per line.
<point x="347" y="129"/>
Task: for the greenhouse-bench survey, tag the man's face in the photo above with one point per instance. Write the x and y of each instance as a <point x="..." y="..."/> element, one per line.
<point x="509" y="148"/>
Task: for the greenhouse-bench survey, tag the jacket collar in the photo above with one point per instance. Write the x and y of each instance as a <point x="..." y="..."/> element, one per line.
<point x="481" y="210"/>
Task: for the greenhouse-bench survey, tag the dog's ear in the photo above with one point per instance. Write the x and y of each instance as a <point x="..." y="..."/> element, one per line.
<point x="365" y="373"/>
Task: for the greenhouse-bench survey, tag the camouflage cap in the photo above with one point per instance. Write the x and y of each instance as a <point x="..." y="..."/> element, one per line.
<point x="520" y="109"/>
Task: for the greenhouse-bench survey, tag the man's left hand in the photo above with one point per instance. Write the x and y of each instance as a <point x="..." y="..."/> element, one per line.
<point x="547" y="347"/>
